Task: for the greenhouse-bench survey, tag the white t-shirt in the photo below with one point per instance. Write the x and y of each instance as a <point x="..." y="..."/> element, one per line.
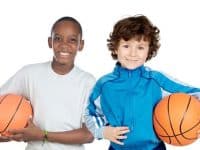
<point x="58" y="100"/>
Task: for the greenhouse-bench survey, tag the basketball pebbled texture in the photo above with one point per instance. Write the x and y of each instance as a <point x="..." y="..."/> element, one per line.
<point x="177" y="119"/>
<point x="15" y="111"/>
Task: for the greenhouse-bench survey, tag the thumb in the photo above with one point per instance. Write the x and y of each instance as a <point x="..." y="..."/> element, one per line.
<point x="30" y="122"/>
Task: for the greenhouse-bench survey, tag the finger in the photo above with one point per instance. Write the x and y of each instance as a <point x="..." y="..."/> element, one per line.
<point x="121" y="137"/>
<point x="30" y="122"/>
<point x="123" y="132"/>
<point x="118" y="142"/>
<point x="4" y="138"/>
<point x="122" y="128"/>
<point x="17" y="137"/>
<point x="15" y="131"/>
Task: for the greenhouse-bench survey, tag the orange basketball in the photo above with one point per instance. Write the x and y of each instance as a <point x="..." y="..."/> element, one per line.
<point x="177" y="119"/>
<point x="14" y="112"/>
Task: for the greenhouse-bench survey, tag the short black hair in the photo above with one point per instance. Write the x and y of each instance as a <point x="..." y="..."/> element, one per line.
<point x="67" y="18"/>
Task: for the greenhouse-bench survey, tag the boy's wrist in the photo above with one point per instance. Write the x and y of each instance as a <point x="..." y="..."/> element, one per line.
<point x="45" y="136"/>
<point x="99" y="133"/>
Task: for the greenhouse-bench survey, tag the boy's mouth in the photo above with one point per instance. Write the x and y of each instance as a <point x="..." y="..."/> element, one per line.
<point x="64" y="53"/>
<point x="128" y="59"/>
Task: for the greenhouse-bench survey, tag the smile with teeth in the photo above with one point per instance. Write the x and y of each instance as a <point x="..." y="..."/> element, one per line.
<point x="64" y="54"/>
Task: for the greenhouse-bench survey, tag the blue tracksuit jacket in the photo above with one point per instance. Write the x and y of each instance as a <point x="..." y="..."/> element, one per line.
<point x="127" y="98"/>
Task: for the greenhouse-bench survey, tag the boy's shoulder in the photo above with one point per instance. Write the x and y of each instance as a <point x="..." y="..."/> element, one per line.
<point x="36" y="65"/>
<point x="102" y="80"/>
<point x="33" y="68"/>
<point x="106" y="78"/>
<point x="150" y="73"/>
<point x="84" y="74"/>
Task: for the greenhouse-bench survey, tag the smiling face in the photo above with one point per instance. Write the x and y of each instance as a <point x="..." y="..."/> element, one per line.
<point x="132" y="53"/>
<point x="65" y="42"/>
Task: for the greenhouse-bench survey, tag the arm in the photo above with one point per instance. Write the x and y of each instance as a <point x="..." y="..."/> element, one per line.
<point x="94" y="117"/>
<point x="33" y="133"/>
<point x="170" y="85"/>
<point x="97" y="124"/>
<point x="77" y="136"/>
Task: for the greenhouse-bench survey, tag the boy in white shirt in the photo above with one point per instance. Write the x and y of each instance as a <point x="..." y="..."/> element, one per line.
<point x="58" y="91"/>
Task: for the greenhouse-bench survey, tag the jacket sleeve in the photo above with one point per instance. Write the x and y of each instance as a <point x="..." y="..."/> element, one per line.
<point x="94" y="118"/>
<point x="170" y="85"/>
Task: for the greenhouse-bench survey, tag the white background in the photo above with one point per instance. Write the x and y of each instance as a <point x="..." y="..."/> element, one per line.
<point x="25" y="26"/>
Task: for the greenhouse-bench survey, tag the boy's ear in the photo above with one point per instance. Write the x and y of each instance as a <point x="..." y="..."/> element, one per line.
<point x="81" y="45"/>
<point x="50" y="42"/>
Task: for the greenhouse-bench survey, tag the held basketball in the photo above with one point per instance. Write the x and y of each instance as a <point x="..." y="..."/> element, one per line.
<point x="177" y="119"/>
<point x="15" y="111"/>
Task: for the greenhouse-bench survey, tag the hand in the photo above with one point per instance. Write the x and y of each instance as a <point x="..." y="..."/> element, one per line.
<point x="30" y="133"/>
<point x="4" y="138"/>
<point x="115" y="134"/>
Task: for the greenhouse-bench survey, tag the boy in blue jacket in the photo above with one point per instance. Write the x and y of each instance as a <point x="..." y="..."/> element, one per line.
<point x="122" y="102"/>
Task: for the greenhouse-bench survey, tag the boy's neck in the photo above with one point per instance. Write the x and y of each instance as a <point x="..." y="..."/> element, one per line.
<point x="61" y="69"/>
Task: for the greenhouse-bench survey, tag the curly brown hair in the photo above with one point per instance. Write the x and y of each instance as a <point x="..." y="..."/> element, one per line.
<point x="138" y="27"/>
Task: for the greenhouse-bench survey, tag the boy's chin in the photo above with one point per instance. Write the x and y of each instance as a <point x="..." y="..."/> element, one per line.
<point x="131" y="67"/>
<point x="63" y="62"/>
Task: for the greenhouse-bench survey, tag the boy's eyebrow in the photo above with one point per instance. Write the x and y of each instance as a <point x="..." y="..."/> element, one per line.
<point x="73" y="35"/>
<point x="56" y="34"/>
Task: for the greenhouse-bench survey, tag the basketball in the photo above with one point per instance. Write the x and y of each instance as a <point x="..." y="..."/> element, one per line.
<point x="176" y="119"/>
<point x="15" y="111"/>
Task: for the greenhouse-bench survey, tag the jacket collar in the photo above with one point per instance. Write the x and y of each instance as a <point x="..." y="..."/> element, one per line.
<point x="127" y="73"/>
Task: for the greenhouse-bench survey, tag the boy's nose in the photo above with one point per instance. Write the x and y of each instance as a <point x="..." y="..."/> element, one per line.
<point x="133" y="52"/>
<point x="65" y="44"/>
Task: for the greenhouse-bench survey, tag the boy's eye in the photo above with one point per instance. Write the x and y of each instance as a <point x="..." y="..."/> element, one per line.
<point x="57" y="38"/>
<point x="73" y="40"/>
<point x="140" y="48"/>
<point x="125" y="46"/>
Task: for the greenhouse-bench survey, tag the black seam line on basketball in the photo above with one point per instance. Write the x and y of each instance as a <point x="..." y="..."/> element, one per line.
<point x="182" y="133"/>
<point x="161" y="127"/>
<point x="13" y="114"/>
<point x="1" y="102"/>
<point x="3" y="98"/>
<point x="170" y="121"/>
<point x="183" y="119"/>
<point x="198" y="123"/>
<point x="180" y="127"/>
